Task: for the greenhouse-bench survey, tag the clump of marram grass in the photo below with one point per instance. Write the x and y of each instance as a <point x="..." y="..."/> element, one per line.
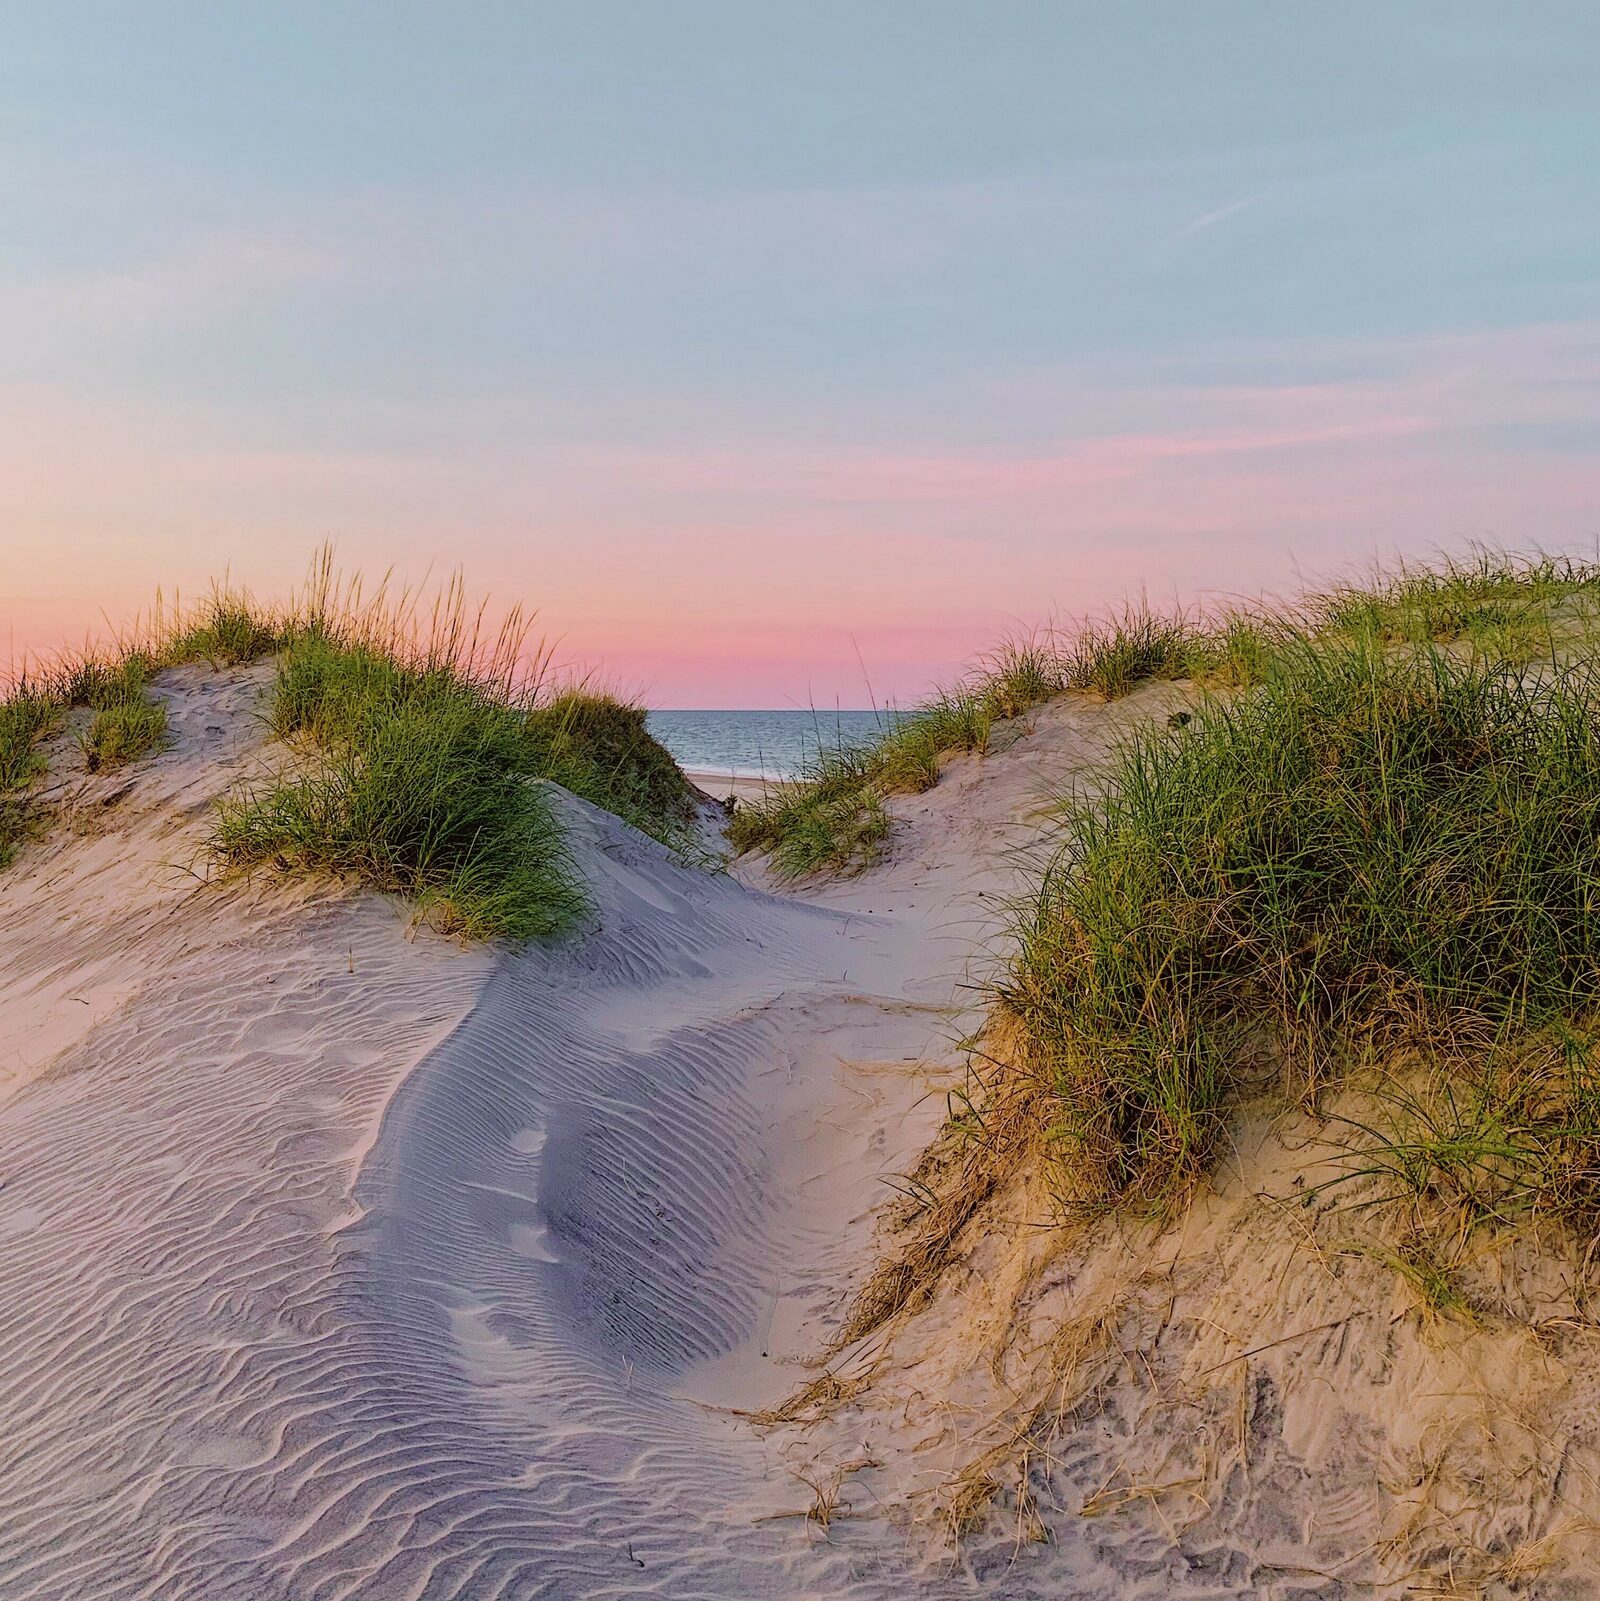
<point x="601" y="748"/>
<point x="113" y="685"/>
<point x="1012" y="679"/>
<point x="1375" y="851"/>
<point x="1111" y="656"/>
<point x="425" y="739"/>
<point x="832" y="818"/>
<point x="1512" y="606"/>
<point x="226" y="630"/>
<point x="126" y="724"/>
<point x="432" y="752"/>
<point x="1487" y="1136"/>
<point x="1237" y="653"/>
<point x="1501" y="607"/>
<point x="417" y="782"/>
<point x="424" y="794"/>
<point x="27" y="716"/>
<point x="122" y="733"/>
<point x="830" y="821"/>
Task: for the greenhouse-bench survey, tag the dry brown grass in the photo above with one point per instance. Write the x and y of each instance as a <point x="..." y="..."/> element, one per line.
<point x="1077" y="1358"/>
<point x="998" y="1123"/>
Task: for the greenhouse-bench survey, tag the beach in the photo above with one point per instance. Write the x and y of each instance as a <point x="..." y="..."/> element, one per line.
<point x="720" y="785"/>
<point x="800" y="802"/>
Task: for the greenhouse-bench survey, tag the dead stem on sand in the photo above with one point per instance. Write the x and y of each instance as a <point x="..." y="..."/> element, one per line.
<point x="1065" y="1373"/>
<point x="813" y="1401"/>
<point x="826" y="1483"/>
<point x="996" y="1125"/>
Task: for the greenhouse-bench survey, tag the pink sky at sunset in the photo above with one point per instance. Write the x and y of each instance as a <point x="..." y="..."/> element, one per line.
<point x="774" y="574"/>
<point x="770" y="352"/>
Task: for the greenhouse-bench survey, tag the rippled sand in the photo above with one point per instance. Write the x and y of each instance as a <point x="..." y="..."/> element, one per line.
<point x="341" y="1261"/>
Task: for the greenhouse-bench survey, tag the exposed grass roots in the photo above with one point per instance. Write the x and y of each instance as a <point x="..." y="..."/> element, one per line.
<point x="992" y="1131"/>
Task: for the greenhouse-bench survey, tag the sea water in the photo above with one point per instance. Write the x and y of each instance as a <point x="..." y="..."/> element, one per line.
<point x="760" y="744"/>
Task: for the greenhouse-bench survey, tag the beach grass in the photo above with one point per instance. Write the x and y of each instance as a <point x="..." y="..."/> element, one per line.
<point x="832" y="821"/>
<point x="126" y="723"/>
<point x="27" y="715"/>
<point x="832" y="818"/>
<point x="229" y="628"/>
<point x="1485" y="598"/>
<point x="432" y="747"/>
<point x="1358" y="879"/>
<point x="1380" y="853"/>
<point x="1111" y="656"/>
<point x="112" y="683"/>
<point x="123" y="733"/>
<point x="418" y="786"/>
<point x="1504" y="607"/>
<point x="425" y="746"/>
<point x="600" y="747"/>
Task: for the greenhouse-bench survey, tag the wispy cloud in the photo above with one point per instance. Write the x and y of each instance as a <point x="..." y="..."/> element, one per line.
<point x="1210" y="220"/>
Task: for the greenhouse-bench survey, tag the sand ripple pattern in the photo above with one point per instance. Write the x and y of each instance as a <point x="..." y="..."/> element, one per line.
<point x="341" y="1266"/>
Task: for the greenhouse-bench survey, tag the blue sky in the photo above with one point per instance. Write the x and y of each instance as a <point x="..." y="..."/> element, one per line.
<point x="739" y="338"/>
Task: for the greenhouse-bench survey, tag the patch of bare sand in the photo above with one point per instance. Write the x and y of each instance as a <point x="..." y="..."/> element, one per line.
<point x="340" y="1260"/>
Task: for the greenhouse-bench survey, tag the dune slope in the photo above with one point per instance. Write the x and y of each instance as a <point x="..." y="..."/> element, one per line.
<point x="341" y="1260"/>
<point x="344" y="1261"/>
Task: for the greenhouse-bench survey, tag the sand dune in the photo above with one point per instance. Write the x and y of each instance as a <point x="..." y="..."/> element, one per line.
<point x="343" y="1261"/>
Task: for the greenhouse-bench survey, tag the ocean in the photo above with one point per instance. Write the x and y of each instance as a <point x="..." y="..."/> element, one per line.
<point x="770" y="744"/>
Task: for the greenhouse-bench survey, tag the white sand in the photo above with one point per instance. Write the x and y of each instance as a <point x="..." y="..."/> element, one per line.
<point x="721" y="785"/>
<point x="344" y="1263"/>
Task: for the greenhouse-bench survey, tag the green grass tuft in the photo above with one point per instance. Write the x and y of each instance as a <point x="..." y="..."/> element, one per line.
<point x="599" y="747"/>
<point x="1376" y="850"/>
<point x="424" y="793"/>
<point x="425" y="739"/>
<point x="227" y="630"/>
<point x="27" y="715"/>
<point x="1503" y="608"/>
<point x="1238" y="654"/>
<point x="122" y="733"/>
<point x="430" y="776"/>
<point x="832" y="822"/>
<point x="126" y="724"/>
<point x="832" y="819"/>
<point x="1012" y="680"/>
<point x="1502" y="604"/>
<point x="1113" y="656"/>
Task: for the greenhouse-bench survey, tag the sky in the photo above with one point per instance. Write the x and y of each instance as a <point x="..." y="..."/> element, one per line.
<point x="772" y="350"/>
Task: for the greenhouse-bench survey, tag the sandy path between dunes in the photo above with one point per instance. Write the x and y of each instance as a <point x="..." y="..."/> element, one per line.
<point x="340" y="1263"/>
